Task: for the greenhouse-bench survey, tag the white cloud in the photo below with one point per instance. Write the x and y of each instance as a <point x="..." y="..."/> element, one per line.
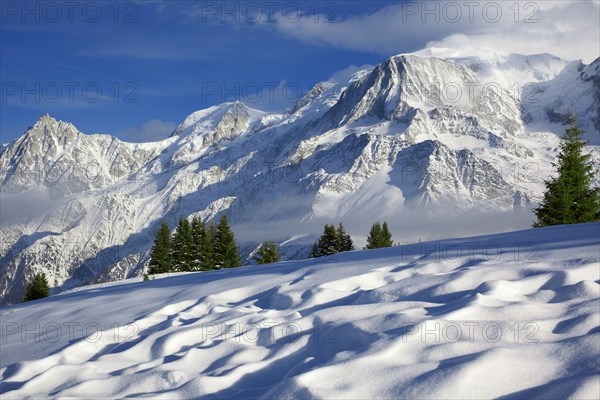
<point x="568" y="29"/>
<point x="149" y="131"/>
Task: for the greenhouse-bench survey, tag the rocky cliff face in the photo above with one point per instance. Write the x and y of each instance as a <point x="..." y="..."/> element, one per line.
<point x="433" y="130"/>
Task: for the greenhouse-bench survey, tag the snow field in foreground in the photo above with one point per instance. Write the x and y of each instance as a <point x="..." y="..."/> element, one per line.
<point x="513" y="315"/>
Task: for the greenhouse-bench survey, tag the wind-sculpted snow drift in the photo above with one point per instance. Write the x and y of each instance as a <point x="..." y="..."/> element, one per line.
<point x="512" y="315"/>
<point x="423" y="136"/>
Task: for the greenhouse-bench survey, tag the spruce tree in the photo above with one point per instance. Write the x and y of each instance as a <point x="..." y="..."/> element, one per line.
<point x="267" y="253"/>
<point x="386" y="236"/>
<point x="328" y="244"/>
<point x="227" y="254"/>
<point x="344" y="241"/>
<point x="375" y="237"/>
<point x="182" y="246"/>
<point x="331" y="242"/>
<point x="161" y="257"/>
<point x="209" y="248"/>
<point x="38" y="288"/>
<point x="569" y="197"/>
<point x="198" y="234"/>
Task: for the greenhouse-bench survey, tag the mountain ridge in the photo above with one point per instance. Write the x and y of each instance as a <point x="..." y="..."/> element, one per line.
<point x="392" y="138"/>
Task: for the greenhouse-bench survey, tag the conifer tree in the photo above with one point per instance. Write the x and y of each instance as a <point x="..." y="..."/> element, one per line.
<point x="38" y="288"/>
<point x="182" y="246"/>
<point x="267" y="253"/>
<point x="198" y="238"/>
<point x="209" y="248"/>
<point x="344" y="240"/>
<point x="375" y="237"/>
<point x="328" y="244"/>
<point x="227" y="254"/>
<point x="386" y="236"/>
<point x="569" y="197"/>
<point x="331" y="242"/>
<point x="161" y="257"/>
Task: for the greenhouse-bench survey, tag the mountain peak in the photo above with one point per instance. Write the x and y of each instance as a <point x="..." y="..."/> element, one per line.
<point x="206" y="119"/>
<point x="47" y="125"/>
<point x="318" y="89"/>
<point x="46" y="119"/>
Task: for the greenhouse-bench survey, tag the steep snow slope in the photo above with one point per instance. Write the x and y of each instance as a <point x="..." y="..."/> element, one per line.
<point x="426" y="135"/>
<point x="512" y="315"/>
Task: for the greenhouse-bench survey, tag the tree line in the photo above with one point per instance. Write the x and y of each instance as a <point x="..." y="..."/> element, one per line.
<point x="337" y="240"/>
<point x="194" y="246"/>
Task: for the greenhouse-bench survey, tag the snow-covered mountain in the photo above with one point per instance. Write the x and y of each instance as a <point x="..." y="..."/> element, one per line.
<point x="436" y="131"/>
<point x="510" y="316"/>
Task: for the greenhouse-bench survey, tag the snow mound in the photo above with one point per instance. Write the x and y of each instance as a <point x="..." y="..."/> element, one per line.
<point x="511" y="315"/>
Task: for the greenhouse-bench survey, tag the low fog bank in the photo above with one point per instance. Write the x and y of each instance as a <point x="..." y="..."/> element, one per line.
<point x="27" y="206"/>
<point x="407" y="226"/>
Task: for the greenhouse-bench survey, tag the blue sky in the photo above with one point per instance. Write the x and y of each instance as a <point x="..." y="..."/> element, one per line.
<point x="135" y="69"/>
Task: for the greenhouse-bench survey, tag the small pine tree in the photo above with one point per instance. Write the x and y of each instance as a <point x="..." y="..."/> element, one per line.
<point x="386" y="236"/>
<point x="182" y="247"/>
<point x="331" y="242"/>
<point x="344" y="240"/>
<point x="328" y="244"/>
<point x="227" y="254"/>
<point x="379" y="236"/>
<point x="38" y="288"/>
<point x="161" y="257"/>
<point x="267" y="253"/>
<point x="569" y="197"/>
<point x="375" y="237"/>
